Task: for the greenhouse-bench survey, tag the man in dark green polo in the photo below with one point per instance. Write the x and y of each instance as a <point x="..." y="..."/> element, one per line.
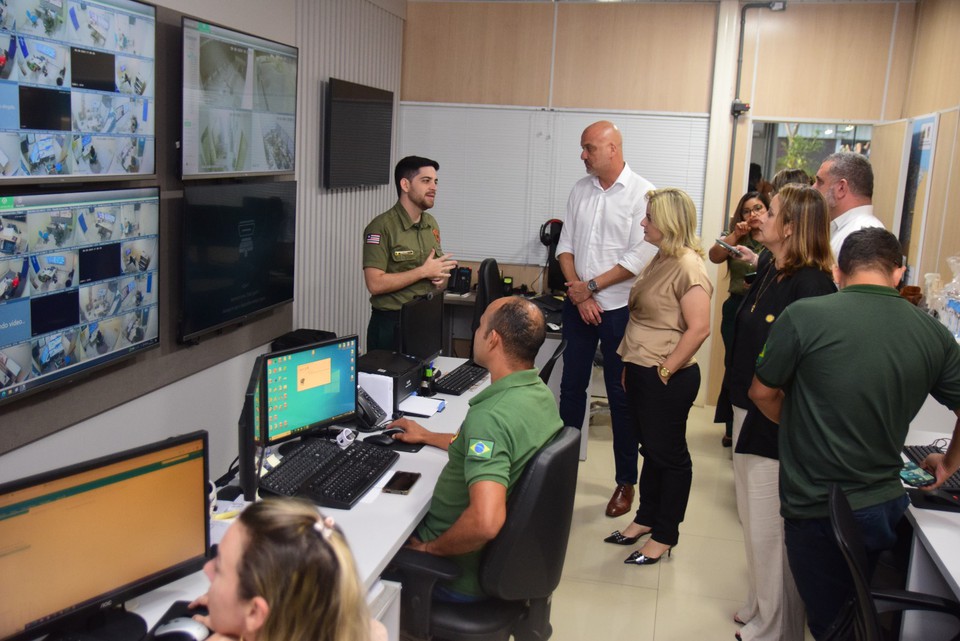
<point x="402" y="257"/>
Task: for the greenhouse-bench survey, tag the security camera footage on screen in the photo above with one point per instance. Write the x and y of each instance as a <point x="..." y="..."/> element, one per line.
<point x="76" y="88"/>
<point x="239" y="102"/>
<point x="78" y="283"/>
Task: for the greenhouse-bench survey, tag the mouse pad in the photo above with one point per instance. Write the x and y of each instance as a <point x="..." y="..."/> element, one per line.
<point x="921" y="499"/>
<point x="400" y="446"/>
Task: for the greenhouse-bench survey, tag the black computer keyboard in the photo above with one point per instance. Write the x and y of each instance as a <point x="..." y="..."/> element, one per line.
<point x="460" y="379"/>
<point x="328" y="475"/>
<point x="548" y="302"/>
<point x="917" y="453"/>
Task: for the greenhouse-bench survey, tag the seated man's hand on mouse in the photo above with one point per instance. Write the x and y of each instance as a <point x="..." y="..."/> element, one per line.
<point x="412" y="432"/>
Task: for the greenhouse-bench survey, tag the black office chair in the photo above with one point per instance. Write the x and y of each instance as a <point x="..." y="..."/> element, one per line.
<point x="547" y="369"/>
<point x="859" y="618"/>
<point x="519" y="569"/>
<point x="489" y="289"/>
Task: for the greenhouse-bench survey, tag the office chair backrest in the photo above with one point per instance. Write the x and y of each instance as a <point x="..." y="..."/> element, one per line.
<point x="525" y="560"/>
<point x="489" y="289"/>
<point x="849" y="539"/>
<point x="547" y="369"/>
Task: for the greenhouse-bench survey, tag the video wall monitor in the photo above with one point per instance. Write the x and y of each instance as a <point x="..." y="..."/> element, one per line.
<point x="237" y="256"/>
<point x="358" y="133"/>
<point x="77" y="99"/>
<point x="309" y="387"/>
<point x="79" y="283"/>
<point x="79" y="541"/>
<point x="239" y="103"/>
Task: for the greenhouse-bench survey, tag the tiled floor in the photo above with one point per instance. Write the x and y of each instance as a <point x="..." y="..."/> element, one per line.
<point x="690" y="596"/>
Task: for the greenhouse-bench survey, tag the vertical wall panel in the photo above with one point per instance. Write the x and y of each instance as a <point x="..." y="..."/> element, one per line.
<point x="357" y="41"/>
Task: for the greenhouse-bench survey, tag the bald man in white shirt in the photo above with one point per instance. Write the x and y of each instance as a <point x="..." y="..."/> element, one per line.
<point x="601" y="251"/>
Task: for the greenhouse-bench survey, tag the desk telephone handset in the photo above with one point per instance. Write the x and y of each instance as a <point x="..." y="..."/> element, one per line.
<point x="369" y="414"/>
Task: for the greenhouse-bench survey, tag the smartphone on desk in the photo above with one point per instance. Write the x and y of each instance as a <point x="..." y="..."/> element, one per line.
<point x="914" y="475"/>
<point x="401" y="482"/>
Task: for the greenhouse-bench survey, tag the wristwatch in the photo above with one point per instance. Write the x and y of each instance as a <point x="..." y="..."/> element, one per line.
<point x="592" y="286"/>
<point x="664" y="372"/>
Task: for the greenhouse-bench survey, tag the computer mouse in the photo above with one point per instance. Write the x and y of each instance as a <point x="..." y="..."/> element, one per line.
<point x="384" y="438"/>
<point x="553" y="327"/>
<point x="182" y="628"/>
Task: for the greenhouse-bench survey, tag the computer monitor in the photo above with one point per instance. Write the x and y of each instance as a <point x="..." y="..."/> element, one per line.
<point x="248" y="430"/>
<point x="78" y="541"/>
<point x="309" y="387"/>
<point x="421" y="327"/>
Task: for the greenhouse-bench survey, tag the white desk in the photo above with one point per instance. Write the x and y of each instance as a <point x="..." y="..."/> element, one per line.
<point x="934" y="562"/>
<point x="377" y="526"/>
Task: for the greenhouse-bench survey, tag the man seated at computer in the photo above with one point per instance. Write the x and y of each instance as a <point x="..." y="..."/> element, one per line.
<point x="507" y="423"/>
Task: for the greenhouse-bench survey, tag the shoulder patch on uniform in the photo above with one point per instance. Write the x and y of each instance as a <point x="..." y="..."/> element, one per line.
<point x="480" y="448"/>
<point x="373" y="239"/>
<point x="436" y="234"/>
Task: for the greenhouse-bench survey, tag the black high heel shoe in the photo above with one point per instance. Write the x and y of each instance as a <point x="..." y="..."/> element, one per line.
<point x="619" y="539"/>
<point x="638" y="558"/>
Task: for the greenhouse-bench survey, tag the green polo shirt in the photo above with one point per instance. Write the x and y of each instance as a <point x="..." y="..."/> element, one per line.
<point x="855" y="368"/>
<point x="506" y="425"/>
<point x="395" y="244"/>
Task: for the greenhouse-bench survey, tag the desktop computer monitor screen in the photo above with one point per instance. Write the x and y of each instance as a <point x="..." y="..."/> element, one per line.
<point x="421" y="327"/>
<point x="80" y="539"/>
<point x="248" y="430"/>
<point x="308" y="387"/>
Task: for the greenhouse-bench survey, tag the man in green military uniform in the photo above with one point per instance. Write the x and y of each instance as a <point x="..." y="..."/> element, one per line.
<point x="402" y="257"/>
<point x="508" y="422"/>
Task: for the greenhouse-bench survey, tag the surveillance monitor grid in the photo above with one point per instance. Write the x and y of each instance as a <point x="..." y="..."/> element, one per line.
<point x="78" y="283"/>
<point x="239" y="103"/>
<point x="76" y="89"/>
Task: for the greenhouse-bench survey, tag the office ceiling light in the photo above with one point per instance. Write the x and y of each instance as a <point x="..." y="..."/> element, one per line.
<point x="778" y="6"/>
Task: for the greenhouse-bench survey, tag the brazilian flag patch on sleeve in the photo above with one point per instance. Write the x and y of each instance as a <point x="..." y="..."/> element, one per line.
<point x="479" y="448"/>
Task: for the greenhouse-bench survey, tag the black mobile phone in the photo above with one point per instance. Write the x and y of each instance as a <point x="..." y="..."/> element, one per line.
<point x="401" y="482"/>
<point x="730" y="248"/>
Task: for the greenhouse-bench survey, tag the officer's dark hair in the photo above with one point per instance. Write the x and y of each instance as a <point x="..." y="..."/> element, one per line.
<point x="873" y="249"/>
<point x="409" y="167"/>
<point x="522" y="329"/>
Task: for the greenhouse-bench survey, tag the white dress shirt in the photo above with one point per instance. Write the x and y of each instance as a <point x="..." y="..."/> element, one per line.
<point x="849" y="222"/>
<point x="602" y="229"/>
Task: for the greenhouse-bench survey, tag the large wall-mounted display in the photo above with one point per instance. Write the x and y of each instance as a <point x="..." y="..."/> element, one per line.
<point x="78" y="283"/>
<point x="239" y="103"/>
<point x="358" y="132"/>
<point x="76" y="90"/>
<point x="237" y="257"/>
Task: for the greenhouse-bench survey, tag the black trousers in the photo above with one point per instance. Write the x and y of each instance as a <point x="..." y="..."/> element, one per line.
<point x="660" y="414"/>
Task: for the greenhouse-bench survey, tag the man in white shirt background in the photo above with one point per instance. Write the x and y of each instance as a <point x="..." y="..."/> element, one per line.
<point x="846" y="181"/>
<point x="601" y="250"/>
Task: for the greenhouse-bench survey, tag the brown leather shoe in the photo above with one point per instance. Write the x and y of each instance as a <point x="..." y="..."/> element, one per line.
<point x="621" y="501"/>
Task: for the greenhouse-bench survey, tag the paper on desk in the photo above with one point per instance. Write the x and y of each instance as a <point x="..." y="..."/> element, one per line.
<point x="420" y="406"/>
<point x="379" y="387"/>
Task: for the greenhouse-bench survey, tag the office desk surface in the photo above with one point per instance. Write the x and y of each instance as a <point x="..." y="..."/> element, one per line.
<point x="377" y="526"/>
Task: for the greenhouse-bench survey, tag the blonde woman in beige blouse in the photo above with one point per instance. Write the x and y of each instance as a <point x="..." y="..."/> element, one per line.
<point x="669" y="320"/>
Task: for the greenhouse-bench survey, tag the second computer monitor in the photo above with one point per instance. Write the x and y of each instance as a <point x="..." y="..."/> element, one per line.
<point x="421" y="327"/>
<point x="309" y="387"/>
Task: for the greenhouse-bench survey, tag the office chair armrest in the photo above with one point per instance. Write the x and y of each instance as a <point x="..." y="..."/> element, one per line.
<point x="419" y="572"/>
<point x="893" y="600"/>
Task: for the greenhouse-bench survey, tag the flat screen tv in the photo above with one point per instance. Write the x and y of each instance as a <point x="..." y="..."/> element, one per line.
<point x="76" y="90"/>
<point x="358" y="132"/>
<point x="239" y="103"/>
<point x="237" y="253"/>
<point x="80" y="540"/>
<point x="79" y="281"/>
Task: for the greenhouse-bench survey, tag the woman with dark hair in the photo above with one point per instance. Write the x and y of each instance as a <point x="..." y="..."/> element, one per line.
<point x="743" y="223"/>
<point x="669" y="319"/>
<point x="796" y="232"/>
<point x="283" y="572"/>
